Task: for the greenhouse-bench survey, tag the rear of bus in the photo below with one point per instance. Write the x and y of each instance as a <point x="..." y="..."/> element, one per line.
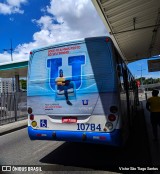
<point x="83" y="106"/>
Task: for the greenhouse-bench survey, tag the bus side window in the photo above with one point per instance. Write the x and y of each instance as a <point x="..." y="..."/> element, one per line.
<point x="126" y="81"/>
<point x="119" y="70"/>
<point x="130" y="82"/>
<point x="120" y="77"/>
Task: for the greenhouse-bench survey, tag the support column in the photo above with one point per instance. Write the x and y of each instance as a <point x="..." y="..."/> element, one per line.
<point x="17" y="84"/>
<point x="16" y="94"/>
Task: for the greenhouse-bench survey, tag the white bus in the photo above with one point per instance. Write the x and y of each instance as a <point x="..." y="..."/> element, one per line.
<point x="80" y="91"/>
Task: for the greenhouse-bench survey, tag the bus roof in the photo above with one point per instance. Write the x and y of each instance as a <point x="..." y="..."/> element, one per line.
<point x="58" y="44"/>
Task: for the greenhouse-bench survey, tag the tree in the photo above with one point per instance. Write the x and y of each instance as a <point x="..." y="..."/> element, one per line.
<point x="149" y="80"/>
<point x="23" y="84"/>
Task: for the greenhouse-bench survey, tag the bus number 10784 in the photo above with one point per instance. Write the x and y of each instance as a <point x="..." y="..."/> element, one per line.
<point x="87" y="126"/>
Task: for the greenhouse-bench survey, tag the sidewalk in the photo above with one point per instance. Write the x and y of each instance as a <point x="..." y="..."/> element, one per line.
<point x="154" y="146"/>
<point x="4" y="129"/>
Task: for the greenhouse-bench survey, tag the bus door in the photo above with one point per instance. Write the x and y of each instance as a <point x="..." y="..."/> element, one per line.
<point x="126" y="84"/>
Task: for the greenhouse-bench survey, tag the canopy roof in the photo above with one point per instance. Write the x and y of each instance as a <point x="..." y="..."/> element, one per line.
<point x="134" y="26"/>
<point x="10" y="69"/>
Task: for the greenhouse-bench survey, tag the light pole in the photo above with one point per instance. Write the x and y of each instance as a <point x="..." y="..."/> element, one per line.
<point x="141" y="74"/>
<point x="10" y="49"/>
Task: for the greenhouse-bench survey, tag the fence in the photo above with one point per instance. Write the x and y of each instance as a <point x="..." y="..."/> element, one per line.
<point x="13" y="107"/>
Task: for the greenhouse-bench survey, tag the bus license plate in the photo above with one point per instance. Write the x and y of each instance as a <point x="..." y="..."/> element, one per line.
<point x="69" y="120"/>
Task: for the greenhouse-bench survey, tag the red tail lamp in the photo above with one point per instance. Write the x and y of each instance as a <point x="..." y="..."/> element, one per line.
<point x="107" y="39"/>
<point x="29" y="110"/>
<point x="111" y="117"/>
<point x="31" y="117"/>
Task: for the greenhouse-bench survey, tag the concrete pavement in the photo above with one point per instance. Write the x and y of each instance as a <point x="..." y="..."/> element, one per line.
<point x="153" y="146"/>
<point x="7" y="128"/>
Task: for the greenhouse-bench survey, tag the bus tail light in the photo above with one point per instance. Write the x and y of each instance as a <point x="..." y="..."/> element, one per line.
<point x="34" y="123"/>
<point x="111" y="117"/>
<point x="109" y="126"/>
<point x="30" y="110"/>
<point x="113" y="109"/>
<point x="107" y="39"/>
<point x="31" y="117"/>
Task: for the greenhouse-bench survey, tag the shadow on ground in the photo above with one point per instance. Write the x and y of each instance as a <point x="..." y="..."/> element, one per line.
<point x="101" y="157"/>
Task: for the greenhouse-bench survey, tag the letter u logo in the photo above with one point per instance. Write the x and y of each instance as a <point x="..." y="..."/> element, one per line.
<point x="85" y="102"/>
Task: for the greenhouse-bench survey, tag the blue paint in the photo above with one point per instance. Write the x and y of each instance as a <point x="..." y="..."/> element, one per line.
<point x="76" y="62"/>
<point x="113" y="138"/>
<point x="53" y="64"/>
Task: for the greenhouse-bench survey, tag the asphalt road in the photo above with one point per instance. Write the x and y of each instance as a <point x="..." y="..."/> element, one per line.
<point x="17" y="149"/>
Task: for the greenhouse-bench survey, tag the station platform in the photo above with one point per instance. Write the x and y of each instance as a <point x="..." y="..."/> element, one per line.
<point x="154" y="146"/>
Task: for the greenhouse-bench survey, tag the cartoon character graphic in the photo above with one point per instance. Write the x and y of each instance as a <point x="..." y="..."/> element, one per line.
<point x="64" y="86"/>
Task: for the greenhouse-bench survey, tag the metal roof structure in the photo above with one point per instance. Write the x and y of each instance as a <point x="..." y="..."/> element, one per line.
<point x="8" y="70"/>
<point x="133" y="25"/>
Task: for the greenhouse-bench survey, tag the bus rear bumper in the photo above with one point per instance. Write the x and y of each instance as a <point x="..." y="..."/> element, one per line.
<point x="113" y="138"/>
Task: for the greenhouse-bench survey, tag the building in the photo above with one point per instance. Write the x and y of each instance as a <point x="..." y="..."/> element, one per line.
<point x="7" y="85"/>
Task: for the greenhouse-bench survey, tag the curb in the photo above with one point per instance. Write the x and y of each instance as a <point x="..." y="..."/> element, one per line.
<point x="11" y="127"/>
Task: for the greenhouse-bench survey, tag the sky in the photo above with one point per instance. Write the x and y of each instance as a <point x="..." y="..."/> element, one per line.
<point x="30" y="24"/>
<point x="141" y="66"/>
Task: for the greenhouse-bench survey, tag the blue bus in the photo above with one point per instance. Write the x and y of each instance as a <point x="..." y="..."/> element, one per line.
<point x="80" y="91"/>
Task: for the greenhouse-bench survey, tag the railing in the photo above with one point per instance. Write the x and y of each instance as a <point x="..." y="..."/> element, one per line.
<point x="154" y="85"/>
<point x="13" y="107"/>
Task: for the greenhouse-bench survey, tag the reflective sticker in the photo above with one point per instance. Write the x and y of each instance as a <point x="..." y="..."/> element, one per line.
<point x="96" y="137"/>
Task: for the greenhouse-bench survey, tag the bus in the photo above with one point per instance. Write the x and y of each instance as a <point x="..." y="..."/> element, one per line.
<point x="80" y="91"/>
